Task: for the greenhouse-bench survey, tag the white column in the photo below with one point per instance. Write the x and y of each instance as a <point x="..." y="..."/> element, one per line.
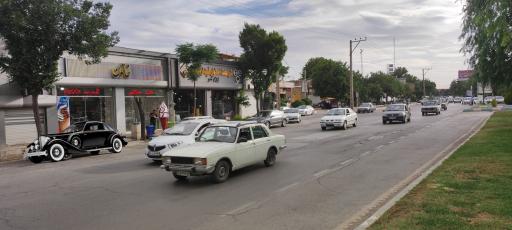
<point x="51" y="119"/>
<point x="120" y="109"/>
<point x="208" y="102"/>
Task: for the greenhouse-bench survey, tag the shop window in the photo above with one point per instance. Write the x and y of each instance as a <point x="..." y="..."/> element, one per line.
<point x="89" y="103"/>
<point x="223" y="104"/>
<point x="150" y="100"/>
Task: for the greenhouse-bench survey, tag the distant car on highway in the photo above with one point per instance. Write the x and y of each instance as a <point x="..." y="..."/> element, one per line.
<point x="306" y="110"/>
<point x="500" y="99"/>
<point x="271" y="118"/>
<point x="366" y="108"/>
<point x="292" y="115"/>
<point x="457" y="100"/>
<point x="183" y="133"/>
<point x="224" y="148"/>
<point x="467" y="100"/>
<point x="396" y="112"/>
<point x="339" y="118"/>
<point x="429" y="107"/>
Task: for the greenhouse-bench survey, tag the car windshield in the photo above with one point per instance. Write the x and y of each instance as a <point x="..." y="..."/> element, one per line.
<point x="365" y="105"/>
<point x="291" y="111"/>
<point x="301" y="107"/>
<point x="395" y="108"/>
<point x="430" y="103"/>
<point x="336" y="112"/>
<point x="219" y="134"/>
<point x="181" y="129"/>
<point x="77" y="127"/>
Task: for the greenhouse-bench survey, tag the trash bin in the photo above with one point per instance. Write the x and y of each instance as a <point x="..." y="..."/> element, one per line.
<point x="150" y="130"/>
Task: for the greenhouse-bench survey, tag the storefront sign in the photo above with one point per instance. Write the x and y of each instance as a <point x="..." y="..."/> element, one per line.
<point x="141" y="92"/>
<point x="148" y="71"/>
<point x="81" y="91"/>
<point x="213" y="76"/>
<point x="121" y="72"/>
<point x="63" y="114"/>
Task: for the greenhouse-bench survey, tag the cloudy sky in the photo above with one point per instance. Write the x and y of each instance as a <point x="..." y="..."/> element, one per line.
<point x="426" y="31"/>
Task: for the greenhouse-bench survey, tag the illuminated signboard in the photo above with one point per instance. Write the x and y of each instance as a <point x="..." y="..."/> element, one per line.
<point x="81" y="91"/>
<point x="140" y="92"/>
<point x="213" y="76"/>
<point x="465" y="74"/>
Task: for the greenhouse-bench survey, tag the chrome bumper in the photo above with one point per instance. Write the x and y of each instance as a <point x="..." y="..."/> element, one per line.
<point x="192" y="169"/>
<point x="34" y="154"/>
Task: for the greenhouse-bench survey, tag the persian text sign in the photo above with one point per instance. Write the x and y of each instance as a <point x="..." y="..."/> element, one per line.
<point x="150" y="72"/>
<point x="213" y="76"/>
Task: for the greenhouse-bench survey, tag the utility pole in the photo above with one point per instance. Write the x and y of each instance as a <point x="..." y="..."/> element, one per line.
<point x="394" y="53"/>
<point x="351" y="74"/>
<point x="423" y="72"/>
<point x="361" y="52"/>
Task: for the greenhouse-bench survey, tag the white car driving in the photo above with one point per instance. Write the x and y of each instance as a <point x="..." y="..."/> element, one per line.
<point x="183" y="133"/>
<point x="339" y="118"/>
<point x="223" y="148"/>
<point x="306" y="110"/>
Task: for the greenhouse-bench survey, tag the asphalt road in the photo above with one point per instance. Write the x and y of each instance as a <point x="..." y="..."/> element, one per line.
<point x="323" y="178"/>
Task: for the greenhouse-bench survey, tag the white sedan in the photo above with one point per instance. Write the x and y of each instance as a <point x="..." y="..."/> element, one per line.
<point x="183" y="133"/>
<point x="306" y="110"/>
<point x="339" y="118"/>
<point x="223" y="148"/>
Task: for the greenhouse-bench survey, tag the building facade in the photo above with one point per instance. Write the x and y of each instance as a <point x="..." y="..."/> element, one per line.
<point x="111" y="91"/>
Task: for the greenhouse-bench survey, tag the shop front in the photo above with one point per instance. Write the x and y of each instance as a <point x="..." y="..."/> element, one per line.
<point x="216" y="89"/>
<point x="111" y="90"/>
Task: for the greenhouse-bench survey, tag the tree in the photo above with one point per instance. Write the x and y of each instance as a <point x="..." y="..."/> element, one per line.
<point x="38" y="32"/>
<point x="487" y="35"/>
<point x="261" y="58"/>
<point x="191" y="57"/>
<point x="329" y="78"/>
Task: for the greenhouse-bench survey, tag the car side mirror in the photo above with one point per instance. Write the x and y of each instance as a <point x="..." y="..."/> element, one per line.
<point x="242" y="139"/>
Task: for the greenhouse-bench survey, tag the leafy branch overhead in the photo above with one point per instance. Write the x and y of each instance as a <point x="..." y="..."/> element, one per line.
<point x="37" y="32"/>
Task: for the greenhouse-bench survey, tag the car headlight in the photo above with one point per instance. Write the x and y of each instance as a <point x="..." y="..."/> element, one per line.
<point x="200" y="161"/>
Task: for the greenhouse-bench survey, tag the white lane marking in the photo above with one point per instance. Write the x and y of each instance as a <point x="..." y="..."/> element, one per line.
<point x="375" y="137"/>
<point x="379" y="147"/>
<point x="322" y="173"/>
<point x="391" y="142"/>
<point x="365" y="153"/>
<point x="347" y="161"/>
<point x="241" y="208"/>
<point x="287" y="187"/>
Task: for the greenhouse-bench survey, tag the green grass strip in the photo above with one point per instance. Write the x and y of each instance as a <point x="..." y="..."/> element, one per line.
<point x="471" y="190"/>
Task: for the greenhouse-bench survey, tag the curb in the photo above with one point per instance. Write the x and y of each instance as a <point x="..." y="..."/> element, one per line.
<point x="372" y="212"/>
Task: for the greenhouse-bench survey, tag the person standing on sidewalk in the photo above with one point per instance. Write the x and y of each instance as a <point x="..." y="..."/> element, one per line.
<point x="153" y="116"/>
<point x="163" y="113"/>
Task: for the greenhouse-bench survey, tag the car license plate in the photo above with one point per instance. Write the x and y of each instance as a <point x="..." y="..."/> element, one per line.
<point x="154" y="154"/>
<point x="182" y="173"/>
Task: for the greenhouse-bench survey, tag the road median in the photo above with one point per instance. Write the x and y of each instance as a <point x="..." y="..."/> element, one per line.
<point x="470" y="190"/>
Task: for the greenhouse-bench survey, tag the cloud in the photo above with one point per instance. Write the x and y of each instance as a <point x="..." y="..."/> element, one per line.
<point x="426" y="31"/>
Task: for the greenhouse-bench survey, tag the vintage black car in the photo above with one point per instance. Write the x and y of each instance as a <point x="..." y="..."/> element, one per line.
<point x="81" y="137"/>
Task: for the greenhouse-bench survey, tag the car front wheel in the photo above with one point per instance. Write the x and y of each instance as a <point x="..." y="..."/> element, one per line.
<point x="117" y="146"/>
<point x="36" y="159"/>
<point x="271" y="158"/>
<point x="221" y="172"/>
<point x="56" y="152"/>
<point x="344" y="127"/>
<point x="283" y="123"/>
<point x="178" y="177"/>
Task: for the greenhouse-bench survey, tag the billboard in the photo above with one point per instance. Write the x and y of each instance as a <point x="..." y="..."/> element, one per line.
<point x="464" y="75"/>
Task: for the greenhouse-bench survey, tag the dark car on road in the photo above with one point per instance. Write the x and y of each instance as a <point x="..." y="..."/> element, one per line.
<point x="271" y="118"/>
<point x="82" y="137"/>
<point x="397" y="112"/>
